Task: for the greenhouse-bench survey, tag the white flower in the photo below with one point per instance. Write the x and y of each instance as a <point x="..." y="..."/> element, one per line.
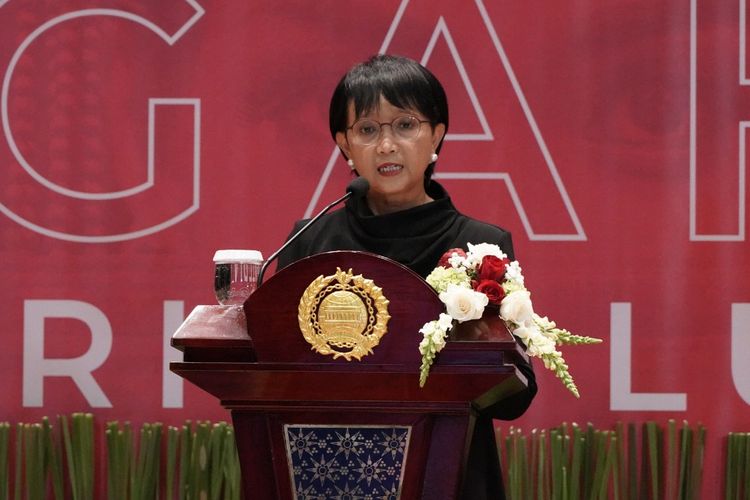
<point x="516" y="307"/>
<point x="440" y="278"/>
<point x="541" y="345"/>
<point x="435" y="333"/>
<point x="513" y="273"/>
<point x="539" y="334"/>
<point x="424" y="345"/>
<point x="438" y="339"/>
<point x="544" y="322"/>
<point x="445" y="322"/>
<point x="524" y="333"/>
<point x="479" y="251"/>
<point x="428" y="328"/>
<point x="456" y="260"/>
<point x="463" y="304"/>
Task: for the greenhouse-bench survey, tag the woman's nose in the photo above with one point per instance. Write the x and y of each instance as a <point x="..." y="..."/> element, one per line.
<point x="386" y="141"/>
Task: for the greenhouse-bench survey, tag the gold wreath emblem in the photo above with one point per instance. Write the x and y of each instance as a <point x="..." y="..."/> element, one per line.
<point x="343" y="315"/>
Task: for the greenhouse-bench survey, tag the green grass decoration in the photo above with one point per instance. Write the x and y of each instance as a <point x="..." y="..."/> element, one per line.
<point x="685" y="452"/>
<point x="543" y="475"/>
<point x="173" y="437"/>
<point x="19" y="457"/>
<point x="118" y="460"/>
<point x="4" y="459"/>
<point x="232" y="472"/>
<point x="144" y="477"/>
<point x="588" y="472"/>
<point x="696" y="470"/>
<point x="54" y="459"/>
<point x="737" y="483"/>
<point x="186" y="446"/>
<point x="33" y="446"/>
<point x="571" y="462"/>
<point x="201" y="462"/>
<point x="652" y="437"/>
<point x="78" y="439"/>
<point x="216" y="443"/>
<point x="732" y="473"/>
<point x="621" y="467"/>
<point x="198" y="484"/>
<point x="671" y="465"/>
<point x="632" y="454"/>
<point x="574" y="483"/>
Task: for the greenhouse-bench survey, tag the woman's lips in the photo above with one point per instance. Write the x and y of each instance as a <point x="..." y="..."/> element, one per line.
<point x="390" y="169"/>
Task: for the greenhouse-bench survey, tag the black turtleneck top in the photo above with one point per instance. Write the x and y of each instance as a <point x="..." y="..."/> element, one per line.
<point x="416" y="237"/>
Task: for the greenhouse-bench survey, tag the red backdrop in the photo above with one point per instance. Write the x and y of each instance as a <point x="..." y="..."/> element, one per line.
<point x="608" y="136"/>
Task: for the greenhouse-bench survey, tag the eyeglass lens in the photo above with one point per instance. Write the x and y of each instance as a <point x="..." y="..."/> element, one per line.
<point x="367" y="131"/>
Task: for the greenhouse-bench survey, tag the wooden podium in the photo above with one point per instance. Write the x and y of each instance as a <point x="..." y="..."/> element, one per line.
<point x="311" y="426"/>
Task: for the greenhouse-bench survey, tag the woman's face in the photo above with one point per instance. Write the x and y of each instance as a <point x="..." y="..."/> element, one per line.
<point x="393" y="166"/>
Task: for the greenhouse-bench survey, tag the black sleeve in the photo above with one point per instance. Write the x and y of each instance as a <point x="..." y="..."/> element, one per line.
<point x="514" y="406"/>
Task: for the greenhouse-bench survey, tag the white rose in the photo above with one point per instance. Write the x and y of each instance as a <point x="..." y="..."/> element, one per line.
<point x="516" y="307"/>
<point x="463" y="304"/>
<point x="480" y="250"/>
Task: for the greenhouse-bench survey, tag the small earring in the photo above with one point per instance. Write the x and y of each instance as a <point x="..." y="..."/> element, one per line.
<point x="433" y="158"/>
<point x="350" y="162"/>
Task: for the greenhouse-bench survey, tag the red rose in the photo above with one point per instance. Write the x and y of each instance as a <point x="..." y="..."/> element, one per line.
<point x="443" y="262"/>
<point x="492" y="268"/>
<point x="492" y="290"/>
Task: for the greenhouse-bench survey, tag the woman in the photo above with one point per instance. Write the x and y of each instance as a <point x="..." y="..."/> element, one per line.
<point x="389" y="116"/>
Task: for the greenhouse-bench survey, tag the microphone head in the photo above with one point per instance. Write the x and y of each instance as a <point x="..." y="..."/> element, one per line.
<point x="358" y="187"/>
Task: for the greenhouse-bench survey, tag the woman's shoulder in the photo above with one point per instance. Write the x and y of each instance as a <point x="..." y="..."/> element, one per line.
<point x="481" y="228"/>
<point x="317" y="238"/>
<point x="476" y="231"/>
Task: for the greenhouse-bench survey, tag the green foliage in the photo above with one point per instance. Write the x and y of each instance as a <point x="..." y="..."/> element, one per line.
<point x="737" y="484"/>
<point x="569" y="462"/>
<point x="78" y="437"/>
<point x="4" y="447"/>
<point x="199" y="463"/>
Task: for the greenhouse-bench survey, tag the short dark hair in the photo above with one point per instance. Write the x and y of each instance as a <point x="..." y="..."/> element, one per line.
<point x="403" y="82"/>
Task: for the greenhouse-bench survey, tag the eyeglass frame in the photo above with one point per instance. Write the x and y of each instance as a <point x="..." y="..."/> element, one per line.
<point x="390" y="124"/>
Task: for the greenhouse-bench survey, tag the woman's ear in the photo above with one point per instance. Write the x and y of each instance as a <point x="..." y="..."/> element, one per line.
<point x="343" y="144"/>
<point x="437" y="134"/>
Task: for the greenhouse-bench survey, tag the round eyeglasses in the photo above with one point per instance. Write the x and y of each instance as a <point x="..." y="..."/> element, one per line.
<point x="365" y="132"/>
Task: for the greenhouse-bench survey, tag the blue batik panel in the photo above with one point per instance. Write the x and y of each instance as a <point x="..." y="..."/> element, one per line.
<point x="346" y="462"/>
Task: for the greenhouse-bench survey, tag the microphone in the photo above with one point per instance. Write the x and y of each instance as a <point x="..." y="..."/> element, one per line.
<point x="356" y="189"/>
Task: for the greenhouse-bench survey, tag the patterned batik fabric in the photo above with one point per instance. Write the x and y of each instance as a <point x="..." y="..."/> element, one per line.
<point x="346" y="462"/>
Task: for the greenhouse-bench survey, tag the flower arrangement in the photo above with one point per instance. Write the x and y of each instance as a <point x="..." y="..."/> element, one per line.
<point x="467" y="282"/>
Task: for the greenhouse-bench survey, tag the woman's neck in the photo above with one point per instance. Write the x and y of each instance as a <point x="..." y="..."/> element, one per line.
<point x="381" y="206"/>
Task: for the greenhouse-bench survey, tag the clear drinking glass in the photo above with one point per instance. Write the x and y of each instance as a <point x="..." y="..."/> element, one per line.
<point x="236" y="275"/>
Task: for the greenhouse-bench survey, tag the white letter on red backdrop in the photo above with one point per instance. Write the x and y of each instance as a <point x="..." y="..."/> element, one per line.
<point x="740" y="349"/>
<point x="717" y="167"/>
<point x="621" y="397"/>
<point x="529" y="166"/>
<point x="171" y="396"/>
<point x="36" y="366"/>
<point x="114" y="203"/>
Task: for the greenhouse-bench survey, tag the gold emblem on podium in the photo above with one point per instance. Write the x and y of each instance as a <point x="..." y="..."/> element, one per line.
<point x="343" y="315"/>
